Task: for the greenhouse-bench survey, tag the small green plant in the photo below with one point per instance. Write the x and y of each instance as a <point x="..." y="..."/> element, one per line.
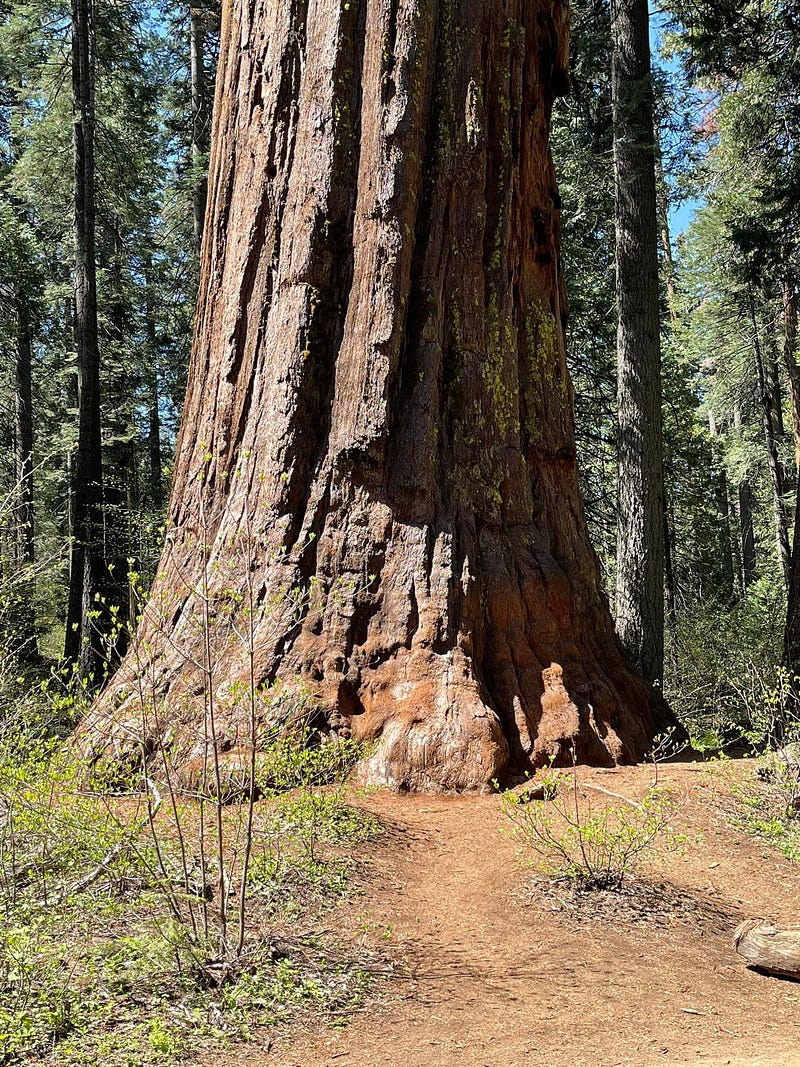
<point x="724" y="682"/>
<point x="769" y="801"/>
<point x="595" y="846"/>
<point x="163" y="1038"/>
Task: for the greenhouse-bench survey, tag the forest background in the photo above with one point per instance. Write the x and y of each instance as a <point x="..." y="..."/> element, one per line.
<point x="728" y="112"/>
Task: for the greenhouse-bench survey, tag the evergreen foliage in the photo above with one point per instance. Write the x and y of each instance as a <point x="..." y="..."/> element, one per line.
<point x="145" y="267"/>
<point x="728" y="118"/>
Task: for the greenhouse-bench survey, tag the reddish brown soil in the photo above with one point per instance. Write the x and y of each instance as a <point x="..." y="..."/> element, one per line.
<point x="494" y="975"/>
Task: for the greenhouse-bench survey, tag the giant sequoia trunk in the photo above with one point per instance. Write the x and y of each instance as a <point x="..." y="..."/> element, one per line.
<point x="375" y="499"/>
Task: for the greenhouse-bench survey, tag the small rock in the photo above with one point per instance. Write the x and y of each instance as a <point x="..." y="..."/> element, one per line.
<point x="530" y="790"/>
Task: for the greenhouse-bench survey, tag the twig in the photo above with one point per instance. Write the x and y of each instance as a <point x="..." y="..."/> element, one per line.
<point x="616" y="796"/>
<point x="111" y="855"/>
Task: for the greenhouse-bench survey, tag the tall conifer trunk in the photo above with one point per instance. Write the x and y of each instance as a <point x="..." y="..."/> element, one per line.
<point x="731" y="551"/>
<point x="791" y="642"/>
<point x="120" y="504"/>
<point x="155" y="480"/>
<point x="84" y="637"/>
<point x="25" y="615"/>
<point x="670" y="280"/>
<point x="789" y="349"/>
<point x="23" y="638"/>
<point x="770" y="427"/>
<point x="747" y="537"/>
<point x="23" y="511"/>
<point x="640" y="525"/>
<point x="378" y="392"/>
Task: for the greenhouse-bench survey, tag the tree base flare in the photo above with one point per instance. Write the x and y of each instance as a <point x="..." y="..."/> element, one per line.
<point x="375" y="524"/>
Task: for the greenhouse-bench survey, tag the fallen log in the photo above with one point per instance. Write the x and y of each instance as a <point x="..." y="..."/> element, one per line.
<point x="768" y="948"/>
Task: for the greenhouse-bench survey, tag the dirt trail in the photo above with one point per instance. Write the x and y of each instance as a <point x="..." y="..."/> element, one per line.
<point x="492" y="981"/>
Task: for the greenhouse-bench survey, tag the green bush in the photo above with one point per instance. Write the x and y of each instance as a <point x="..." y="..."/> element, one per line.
<point x="594" y="846"/>
<point x="107" y="914"/>
<point x="724" y="680"/>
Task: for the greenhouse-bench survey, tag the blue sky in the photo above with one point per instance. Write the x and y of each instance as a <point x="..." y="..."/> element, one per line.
<point x="681" y="214"/>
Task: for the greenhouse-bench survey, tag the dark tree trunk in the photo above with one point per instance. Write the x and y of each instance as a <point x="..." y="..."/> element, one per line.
<point x="769" y="426"/>
<point x="790" y="362"/>
<point x="640" y="522"/>
<point x="378" y="390"/>
<point x="669" y="574"/>
<point x="22" y="630"/>
<point x="773" y="383"/>
<point x="156" y="480"/>
<point x="747" y="537"/>
<point x="23" y="511"/>
<point x="25" y="614"/>
<point x="670" y="277"/>
<point x="747" y="533"/>
<point x="84" y="643"/>
<point x="791" y="634"/>
<point x="729" y="564"/>
<point x="731" y="556"/>
<point x="791" y="642"/>
<point x="119" y="481"/>
<point x="154" y="441"/>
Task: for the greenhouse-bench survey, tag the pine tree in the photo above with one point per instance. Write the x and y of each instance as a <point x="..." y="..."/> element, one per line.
<point x="640" y="537"/>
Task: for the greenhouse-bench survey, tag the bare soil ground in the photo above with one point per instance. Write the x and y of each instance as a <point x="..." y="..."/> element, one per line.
<point x="495" y="970"/>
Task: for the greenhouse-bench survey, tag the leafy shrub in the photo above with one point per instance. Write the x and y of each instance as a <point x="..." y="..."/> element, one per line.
<point x="132" y="926"/>
<point x="97" y="896"/>
<point x="595" y="846"/>
<point x="769" y="800"/>
<point x="724" y="681"/>
<point x="293" y="761"/>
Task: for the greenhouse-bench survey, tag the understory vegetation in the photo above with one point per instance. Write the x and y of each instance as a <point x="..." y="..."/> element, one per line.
<point x="767" y="801"/>
<point x="726" y="683"/>
<point x="130" y="932"/>
<point x="595" y="845"/>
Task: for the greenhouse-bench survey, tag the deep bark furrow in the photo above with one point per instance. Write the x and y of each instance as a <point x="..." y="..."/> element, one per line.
<point x="325" y="330"/>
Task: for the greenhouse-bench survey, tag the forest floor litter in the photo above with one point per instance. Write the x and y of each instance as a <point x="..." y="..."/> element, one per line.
<point x="496" y="966"/>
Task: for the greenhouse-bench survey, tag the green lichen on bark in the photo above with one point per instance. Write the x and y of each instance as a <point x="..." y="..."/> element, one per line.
<point x="542" y="383"/>
<point x="500" y="385"/>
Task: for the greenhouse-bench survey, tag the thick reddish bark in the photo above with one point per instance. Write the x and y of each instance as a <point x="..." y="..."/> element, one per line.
<point x="379" y="415"/>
